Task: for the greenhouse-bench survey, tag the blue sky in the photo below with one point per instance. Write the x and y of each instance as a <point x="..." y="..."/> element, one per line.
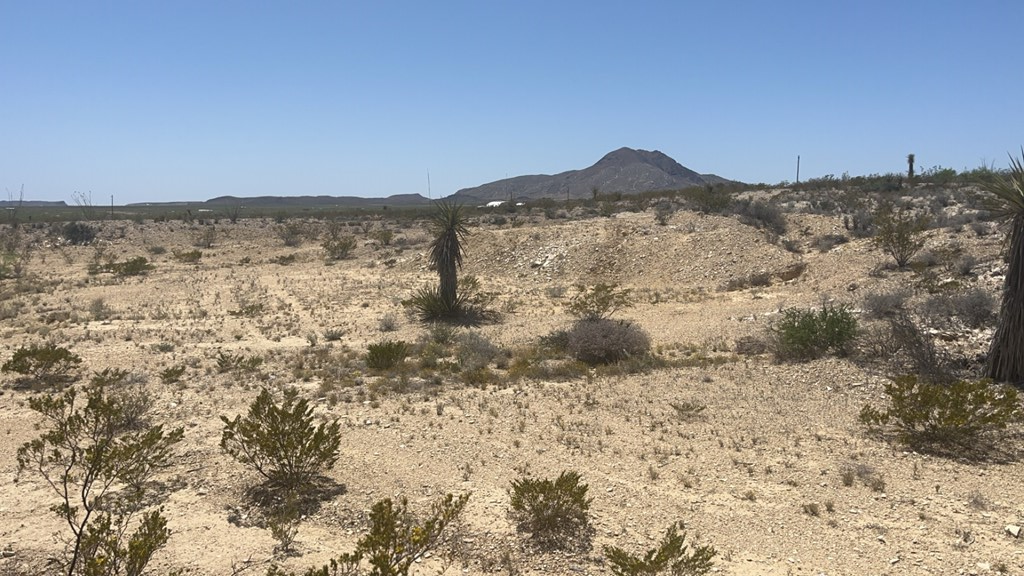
<point x="160" y="101"/>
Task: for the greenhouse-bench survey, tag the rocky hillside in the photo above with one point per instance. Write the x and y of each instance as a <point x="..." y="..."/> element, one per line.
<point x="625" y="170"/>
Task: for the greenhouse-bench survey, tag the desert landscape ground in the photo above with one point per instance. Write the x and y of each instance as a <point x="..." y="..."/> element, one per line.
<point x="762" y="473"/>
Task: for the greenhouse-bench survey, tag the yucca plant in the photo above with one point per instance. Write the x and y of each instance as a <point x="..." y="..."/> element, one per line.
<point x="1006" y="352"/>
<point x="448" y="225"/>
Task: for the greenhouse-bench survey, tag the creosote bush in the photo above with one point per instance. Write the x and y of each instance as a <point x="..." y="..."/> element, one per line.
<point x="396" y="539"/>
<point x="281" y="442"/>
<point x="803" y="334"/>
<point x="898" y="233"/>
<point x="555" y="513"/>
<point x="954" y="415"/>
<point x="598" y="301"/>
<point x="605" y="341"/>
<point x="100" y="465"/>
<point x="47" y="364"/>
<point x="339" y="247"/>
<point x="78" y="234"/>
<point x="670" y="557"/>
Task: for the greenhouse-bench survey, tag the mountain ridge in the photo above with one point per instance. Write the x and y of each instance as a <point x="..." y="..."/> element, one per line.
<point x="625" y="170"/>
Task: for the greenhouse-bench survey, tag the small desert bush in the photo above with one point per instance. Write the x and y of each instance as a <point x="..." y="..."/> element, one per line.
<point x="45" y="364"/>
<point x="386" y="354"/>
<point x="237" y="363"/>
<point x="761" y="214"/>
<point x="172" y="375"/>
<point x="975" y="307"/>
<point x="599" y="301"/>
<point x="803" y="334"/>
<point x="205" y="237"/>
<point x="396" y="540"/>
<point x="554" y="512"/>
<point x="100" y="467"/>
<point x="382" y="235"/>
<point x="78" y="234"/>
<point x="291" y="234"/>
<point x="956" y="415"/>
<point x="898" y="233"/>
<point x="474" y="351"/>
<point x="339" y="247"/>
<point x="671" y="557"/>
<point x="281" y="441"/>
<point x="879" y="305"/>
<point x="861" y="224"/>
<point x="137" y="266"/>
<point x="605" y="341"/>
<point x="189" y="257"/>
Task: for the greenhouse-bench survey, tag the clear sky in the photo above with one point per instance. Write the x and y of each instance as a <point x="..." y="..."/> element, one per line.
<point x="183" y="100"/>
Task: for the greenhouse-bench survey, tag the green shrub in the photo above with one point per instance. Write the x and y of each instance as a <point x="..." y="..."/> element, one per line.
<point x="190" y="257"/>
<point x="291" y="234"/>
<point x="78" y="234"/>
<point x="172" y="375"/>
<point x="898" y="233"/>
<point x="386" y="355"/>
<point x="133" y="267"/>
<point x="100" y="468"/>
<point x="599" y="301"/>
<point x="340" y="247"/>
<point x="396" y="539"/>
<point x="383" y="235"/>
<point x="606" y="341"/>
<point x="670" y="557"/>
<point x="281" y="442"/>
<point x="46" y="364"/>
<point x="555" y="513"/>
<point x="760" y="214"/>
<point x="237" y="363"/>
<point x="803" y="334"/>
<point x="956" y="415"/>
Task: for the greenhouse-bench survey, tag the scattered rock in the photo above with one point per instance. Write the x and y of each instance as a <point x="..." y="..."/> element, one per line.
<point x="1013" y="530"/>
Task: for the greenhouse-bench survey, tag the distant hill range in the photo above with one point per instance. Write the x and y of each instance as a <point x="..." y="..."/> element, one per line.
<point x="27" y="203"/>
<point x="323" y="201"/>
<point x="625" y="170"/>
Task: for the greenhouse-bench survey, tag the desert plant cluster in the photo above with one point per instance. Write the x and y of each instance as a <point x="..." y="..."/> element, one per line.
<point x="803" y="378"/>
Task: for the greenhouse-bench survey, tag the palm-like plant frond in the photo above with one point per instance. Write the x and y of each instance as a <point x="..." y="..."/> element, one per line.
<point x="1006" y="352"/>
<point x="448" y="226"/>
<point x="1008" y="189"/>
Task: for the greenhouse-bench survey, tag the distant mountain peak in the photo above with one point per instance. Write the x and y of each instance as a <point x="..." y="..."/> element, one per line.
<point x="625" y="170"/>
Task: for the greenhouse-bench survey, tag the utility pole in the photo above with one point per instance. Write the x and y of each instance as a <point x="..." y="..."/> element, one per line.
<point x="111" y="206"/>
<point x="797" y="168"/>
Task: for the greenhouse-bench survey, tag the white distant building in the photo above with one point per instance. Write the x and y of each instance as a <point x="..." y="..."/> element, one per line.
<point x="495" y="204"/>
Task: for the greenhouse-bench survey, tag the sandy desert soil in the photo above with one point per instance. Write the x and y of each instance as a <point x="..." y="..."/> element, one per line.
<point x="773" y="439"/>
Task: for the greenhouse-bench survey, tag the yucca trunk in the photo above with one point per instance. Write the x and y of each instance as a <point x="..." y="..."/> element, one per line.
<point x="448" y="280"/>
<point x="1006" y="353"/>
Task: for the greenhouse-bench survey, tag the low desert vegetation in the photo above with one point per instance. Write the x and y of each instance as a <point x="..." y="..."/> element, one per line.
<point x="306" y="351"/>
<point x="955" y="416"/>
<point x="805" y="334"/>
<point x="671" y="557"/>
<point x="98" y="462"/>
<point x="555" y="513"/>
<point x="282" y="442"/>
<point x="45" y="364"/>
<point x="396" y="540"/>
